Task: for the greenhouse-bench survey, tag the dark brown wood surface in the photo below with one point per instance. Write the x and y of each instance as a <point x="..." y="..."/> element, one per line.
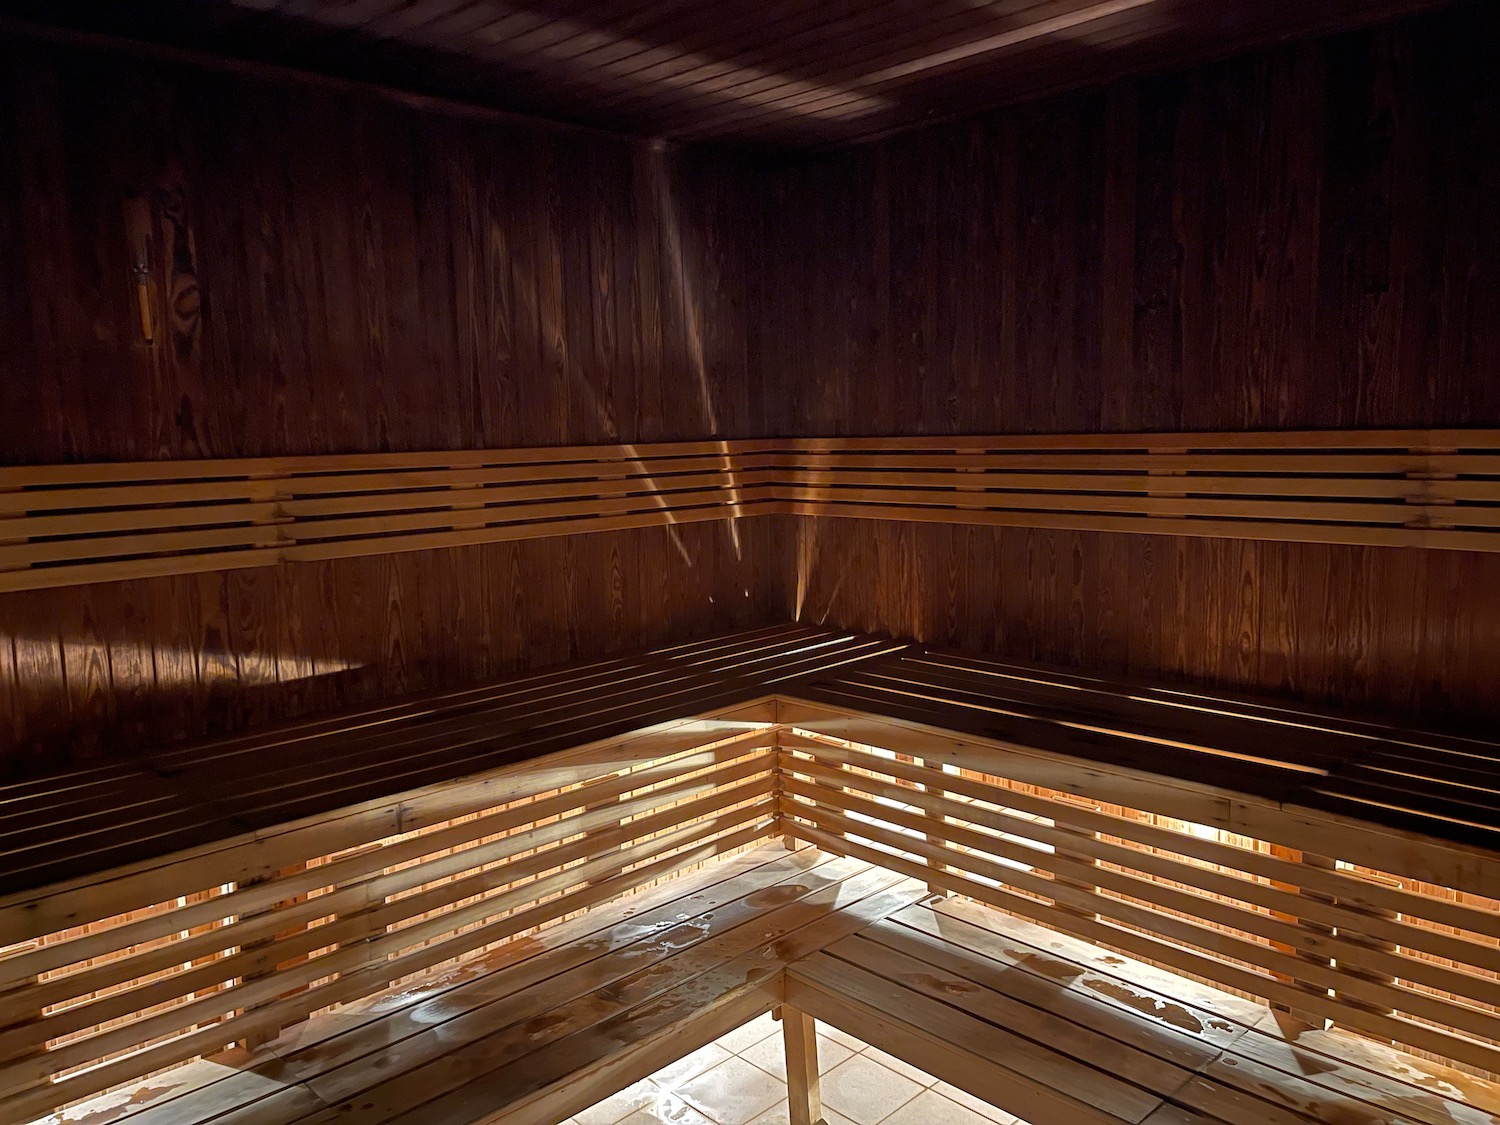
<point x="776" y="74"/>
<point x="368" y="279"/>
<point x="1303" y="237"/>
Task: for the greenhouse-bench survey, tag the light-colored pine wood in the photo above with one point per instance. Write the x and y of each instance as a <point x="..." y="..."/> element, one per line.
<point x="1156" y="824"/>
<point x="1220" y="793"/>
<point x="517" y="848"/>
<point x="1025" y="1017"/>
<point x="1185" y="946"/>
<point x="799" y="1036"/>
<point x="72" y="524"/>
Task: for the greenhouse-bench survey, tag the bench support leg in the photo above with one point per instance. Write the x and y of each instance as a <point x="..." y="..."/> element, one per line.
<point x="804" y="1098"/>
<point x="940" y="835"/>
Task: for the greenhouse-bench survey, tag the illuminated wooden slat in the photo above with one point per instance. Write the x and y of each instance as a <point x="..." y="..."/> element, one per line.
<point x="390" y="840"/>
<point x="1240" y="910"/>
<point x="1267" y="799"/>
<point x="366" y="939"/>
<point x="1266" y="865"/>
<point x="968" y="993"/>
<point x="1226" y="910"/>
<point x="655" y="859"/>
<point x="360" y="880"/>
<point x="1181" y="945"/>
<point x="363" y="949"/>
<point x="72" y="524"/>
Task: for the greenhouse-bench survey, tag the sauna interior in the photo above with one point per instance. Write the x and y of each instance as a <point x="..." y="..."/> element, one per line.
<point x="753" y="563"/>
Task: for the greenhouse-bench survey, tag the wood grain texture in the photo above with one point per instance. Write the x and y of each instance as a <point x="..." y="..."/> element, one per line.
<point x="371" y="279"/>
<point x="1293" y="238"/>
<point x="68" y="525"/>
<point x="1396" y="631"/>
<point x="124" y="666"/>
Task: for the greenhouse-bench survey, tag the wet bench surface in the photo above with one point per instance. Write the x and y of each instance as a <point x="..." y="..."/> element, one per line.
<point x="1038" y="1023"/>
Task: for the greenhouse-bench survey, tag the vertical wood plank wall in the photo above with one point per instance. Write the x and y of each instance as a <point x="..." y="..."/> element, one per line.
<point x="333" y="273"/>
<point x="1300" y="237"/>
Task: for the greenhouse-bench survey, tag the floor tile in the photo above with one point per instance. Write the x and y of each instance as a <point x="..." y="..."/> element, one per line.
<point x="667" y="1108"/>
<point x="866" y="1092"/>
<point x="690" y="1066"/>
<point x="905" y="1069"/>
<point x="931" y="1108"/>
<point x="779" y="1114"/>
<point x="843" y="1037"/>
<point x="748" y="1035"/>
<point x="770" y="1055"/>
<point x="983" y="1108"/>
<point x="619" y="1106"/>
<point x="733" y="1092"/>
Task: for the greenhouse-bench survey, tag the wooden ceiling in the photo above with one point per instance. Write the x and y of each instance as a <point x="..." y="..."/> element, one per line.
<point x="765" y="73"/>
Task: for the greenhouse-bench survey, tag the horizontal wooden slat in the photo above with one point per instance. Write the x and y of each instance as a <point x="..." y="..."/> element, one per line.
<point x="1223" y="1058"/>
<point x="1232" y="914"/>
<point x="1243" y="912"/>
<point x="671" y="811"/>
<point x="361" y="899"/>
<point x="70" y="524"/>
<point x="1213" y="791"/>
<point x="621" y="711"/>
<point x="1188" y="957"/>
<point x="1348" y="888"/>
<point x="529" y="799"/>
<point x="366" y="944"/>
<point x="613" y="880"/>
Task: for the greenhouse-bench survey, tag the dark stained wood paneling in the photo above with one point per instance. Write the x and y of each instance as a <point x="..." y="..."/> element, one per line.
<point x="1296" y="238"/>
<point x="1387" y="631"/>
<point x="104" y="671"/>
<point x="1303" y="237"/>
<point x="372" y="278"/>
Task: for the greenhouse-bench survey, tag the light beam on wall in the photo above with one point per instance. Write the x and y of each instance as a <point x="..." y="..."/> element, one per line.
<point x="685" y="294"/>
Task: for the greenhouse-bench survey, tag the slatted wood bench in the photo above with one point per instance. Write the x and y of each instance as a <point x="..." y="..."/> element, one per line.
<point x="92" y="820"/>
<point x="152" y="912"/>
<point x="63" y="525"/>
<point x="544" y="1027"/>
<point x="1027" y="1019"/>
<point x="1055" y="1030"/>
<point x="1343" y="870"/>
<point x="1389" y="794"/>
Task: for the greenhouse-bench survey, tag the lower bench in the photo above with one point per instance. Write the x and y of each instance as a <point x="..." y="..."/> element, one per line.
<point x="1056" y="1030"/>
<point x="545" y="1026"/>
<point x="1037" y="1023"/>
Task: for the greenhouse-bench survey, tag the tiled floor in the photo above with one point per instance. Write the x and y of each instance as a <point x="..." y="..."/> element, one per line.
<point x="740" y="1080"/>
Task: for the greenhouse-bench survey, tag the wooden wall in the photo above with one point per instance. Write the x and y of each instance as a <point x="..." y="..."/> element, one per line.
<point x="1302" y="237"/>
<point x="331" y="272"/>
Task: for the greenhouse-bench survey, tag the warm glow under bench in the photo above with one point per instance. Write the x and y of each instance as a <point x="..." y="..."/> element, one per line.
<point x="1328" y="865"/>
